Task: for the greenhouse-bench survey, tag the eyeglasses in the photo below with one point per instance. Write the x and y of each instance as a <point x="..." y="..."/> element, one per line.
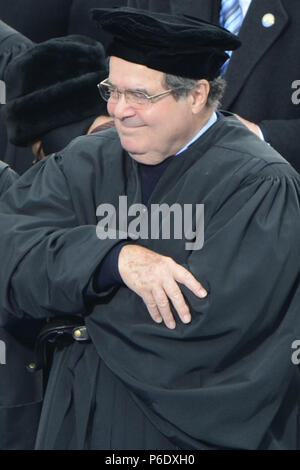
<point x="134" y="98"/>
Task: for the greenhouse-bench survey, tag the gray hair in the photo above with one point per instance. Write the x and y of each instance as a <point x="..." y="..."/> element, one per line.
<point x="216" y="92"/>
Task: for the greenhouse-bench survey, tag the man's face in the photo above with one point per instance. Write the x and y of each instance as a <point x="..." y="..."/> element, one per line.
<point x="159" y="129"/>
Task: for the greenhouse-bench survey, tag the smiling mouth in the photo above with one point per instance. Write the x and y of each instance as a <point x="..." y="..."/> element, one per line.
<point x="129" y="129"/>
<point x="129" y="123"/>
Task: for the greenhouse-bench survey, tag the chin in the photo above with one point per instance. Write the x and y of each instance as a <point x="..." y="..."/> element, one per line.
<point x="131" y="146"/>
<point x="140" y="153"/>
<point x="146" y="158"/>
<point x="139" y="157"/>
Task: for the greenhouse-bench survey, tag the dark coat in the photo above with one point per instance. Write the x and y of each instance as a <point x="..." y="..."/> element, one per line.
<point x="226" y="380"/>
<point x="260" y="73"/>
<point x="80" y="22"/>
<point x="7" y="177"/>
<point x="20" y="391"/>
<point x="37" y="122"/>
<point x="12" y="43"/>
<point x="37" y="20"/>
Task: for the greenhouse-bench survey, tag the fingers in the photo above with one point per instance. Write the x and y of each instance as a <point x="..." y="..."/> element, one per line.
<point x="163" y="306"/>
<point x="186" y="278"/>
<point x="159" y="307"/>
<point x="155" y="279"/>
<point x="175" y="295"/>
<point x="152" y="308"/>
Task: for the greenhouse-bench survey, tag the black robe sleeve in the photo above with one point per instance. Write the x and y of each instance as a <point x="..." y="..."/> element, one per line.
<point x="43" y="242"/>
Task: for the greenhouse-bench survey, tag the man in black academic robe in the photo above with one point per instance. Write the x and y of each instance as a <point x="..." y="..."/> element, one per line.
<point x="225" y="379"/>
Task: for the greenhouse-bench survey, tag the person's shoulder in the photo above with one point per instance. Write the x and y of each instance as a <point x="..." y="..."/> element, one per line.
<point x="95" y="141"/>
<point x="7" y="177"/>
<point x="247" y="155"/>
<point x="91" y="148"/>
<point x="3" y="166"/>
<point x="5" y="169"/>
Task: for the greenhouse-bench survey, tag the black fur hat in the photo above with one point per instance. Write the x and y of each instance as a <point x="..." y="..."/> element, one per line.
<point x="177" y="45"/>
<point x="52" y="84"/>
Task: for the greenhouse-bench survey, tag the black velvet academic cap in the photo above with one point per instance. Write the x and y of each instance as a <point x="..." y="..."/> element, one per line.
<point x="53" y="84"/>
<point x="177" y="45"/>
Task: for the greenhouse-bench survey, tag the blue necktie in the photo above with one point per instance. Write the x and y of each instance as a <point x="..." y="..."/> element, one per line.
<point x="231" y="18"/>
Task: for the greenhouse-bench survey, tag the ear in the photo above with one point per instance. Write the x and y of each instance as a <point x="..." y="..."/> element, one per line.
<point x="199" y="95"/>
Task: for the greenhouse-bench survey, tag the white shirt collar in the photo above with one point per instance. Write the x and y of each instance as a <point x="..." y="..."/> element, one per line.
<point x="210" y="122"/>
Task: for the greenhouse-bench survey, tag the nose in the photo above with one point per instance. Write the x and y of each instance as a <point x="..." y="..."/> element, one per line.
<point x="120" y="109"/>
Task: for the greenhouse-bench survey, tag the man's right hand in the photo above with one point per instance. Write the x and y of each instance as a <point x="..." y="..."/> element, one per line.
<point x="155" y="278"/>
